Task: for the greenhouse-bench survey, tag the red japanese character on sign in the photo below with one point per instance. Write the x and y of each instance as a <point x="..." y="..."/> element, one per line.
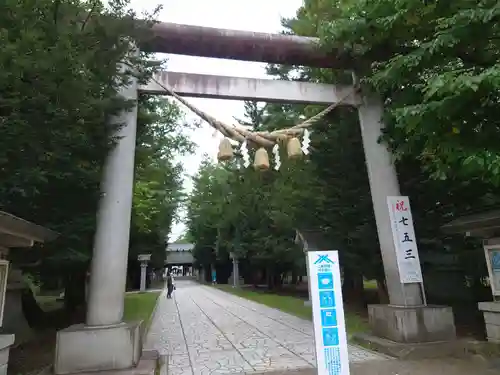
<point x="400" y="206"/>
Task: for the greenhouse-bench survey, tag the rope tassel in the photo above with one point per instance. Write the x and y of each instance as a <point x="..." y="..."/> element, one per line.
<point x="261" y="162"/>
<point x="225" y="150"/>
<point x="293" y="148"/>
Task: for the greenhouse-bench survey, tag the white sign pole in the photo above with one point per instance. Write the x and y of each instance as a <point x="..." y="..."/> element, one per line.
<point x="328" y="313"/>
<point x="405" y="241"/>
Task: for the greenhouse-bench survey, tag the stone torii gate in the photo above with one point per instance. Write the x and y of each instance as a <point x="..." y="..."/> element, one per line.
<point x="105" y="342"/>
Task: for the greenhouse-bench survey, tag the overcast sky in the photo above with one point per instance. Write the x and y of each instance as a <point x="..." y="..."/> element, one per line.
<point x="251" y="15"/>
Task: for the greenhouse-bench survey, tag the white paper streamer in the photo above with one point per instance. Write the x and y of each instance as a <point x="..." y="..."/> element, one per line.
<point x="277" y="161"/>
<point x="244" y="154"/>
<point x="306" y="141"/>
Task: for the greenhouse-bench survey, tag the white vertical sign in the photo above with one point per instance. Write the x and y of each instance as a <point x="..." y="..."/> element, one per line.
<point x="405" y="242"/>
<point x="328" y="313"/>
<point x="492" y="254"/>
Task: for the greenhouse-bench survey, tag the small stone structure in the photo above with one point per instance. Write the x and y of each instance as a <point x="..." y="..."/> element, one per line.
<point x="14" y="233"/>
<point x="487" y="227"/>
<point x="234" y="279"/>
<point x="144" y="259"/>
<point x="13" y="318"/>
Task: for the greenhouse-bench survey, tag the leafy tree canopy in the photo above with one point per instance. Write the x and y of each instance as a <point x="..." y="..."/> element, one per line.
<point x="436" y="66"/>
<point x="59" y="76"/>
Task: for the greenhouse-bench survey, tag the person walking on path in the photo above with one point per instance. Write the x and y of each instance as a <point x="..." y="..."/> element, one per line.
<point x="170" y="285"/>
<point x="214" y="276"/>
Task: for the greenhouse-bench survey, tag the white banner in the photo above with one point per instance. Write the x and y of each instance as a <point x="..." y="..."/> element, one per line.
<point x="405" y="242"/>
<point x="328" y="313"/>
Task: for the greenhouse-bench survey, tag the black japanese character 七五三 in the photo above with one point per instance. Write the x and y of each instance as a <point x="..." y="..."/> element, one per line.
<point x="406" y="238"/>
<point x="409" y="254"/>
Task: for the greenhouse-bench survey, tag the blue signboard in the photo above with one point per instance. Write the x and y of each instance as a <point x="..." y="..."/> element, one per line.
<point x="328" y="313"/>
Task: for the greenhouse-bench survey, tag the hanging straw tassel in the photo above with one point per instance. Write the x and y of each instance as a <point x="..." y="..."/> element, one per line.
<point x="225" y="150"/>
<point x="261" y="161"/>
<point x="293" y="148"/>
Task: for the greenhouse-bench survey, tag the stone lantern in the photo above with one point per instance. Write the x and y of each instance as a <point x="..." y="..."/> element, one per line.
<point x="144" y="260"/>
<point x="236" y="274"/>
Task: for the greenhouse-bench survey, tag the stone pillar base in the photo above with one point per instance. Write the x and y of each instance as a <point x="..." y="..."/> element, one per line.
<point x="416" y="324"/>
<point x="413" y="351"/>
<point x="6" y="342"/>
<point x="491" y="313"/>
<point x="14" y="320"/>
<point x="81" y="348"/>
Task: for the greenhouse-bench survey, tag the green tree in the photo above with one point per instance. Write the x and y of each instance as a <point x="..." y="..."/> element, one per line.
<point x="158" y="183"/>
<point x="436" y="65"/>
<point x="59" y="78"/>
<point x="254" y="215"/>
<point x="414" y="55"/>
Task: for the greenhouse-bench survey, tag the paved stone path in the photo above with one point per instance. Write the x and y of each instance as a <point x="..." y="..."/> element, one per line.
<point x="206" y="331"/>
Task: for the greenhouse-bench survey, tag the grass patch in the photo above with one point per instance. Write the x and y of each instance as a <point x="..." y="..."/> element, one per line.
<point x="49" y="303"/>
<point x="291" y="305"/>
<point x="295" y="306"/>
<point x="370" y="284"/>
<point x="140" y="306"/>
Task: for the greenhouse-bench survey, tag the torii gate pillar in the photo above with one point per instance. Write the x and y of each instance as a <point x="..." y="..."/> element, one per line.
<point x="105" y="342"/>
<point x="406" y="319"/>
<point x="383" y="183"/>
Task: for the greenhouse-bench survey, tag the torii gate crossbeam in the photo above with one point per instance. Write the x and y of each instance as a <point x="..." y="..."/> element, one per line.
<point x="240" y="88"/>
<point x="282" y="49"/>
<point x="105" y="342"/>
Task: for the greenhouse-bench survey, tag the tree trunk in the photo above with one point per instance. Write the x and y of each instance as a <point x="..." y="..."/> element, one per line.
<point x="263" y="276"/>
<point x="208" y="273"/>
<point x="383" y="295"/>
<point x="255" y="278"/>
<point x="74" y="289"/>
<point x="353" y="286"/>
<point x="284" y="277"/>
<point x="270" y="278"/>
<point x="278" y="280"/>
<point x="34" y="315"/>
<point x="133" y="275"/>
